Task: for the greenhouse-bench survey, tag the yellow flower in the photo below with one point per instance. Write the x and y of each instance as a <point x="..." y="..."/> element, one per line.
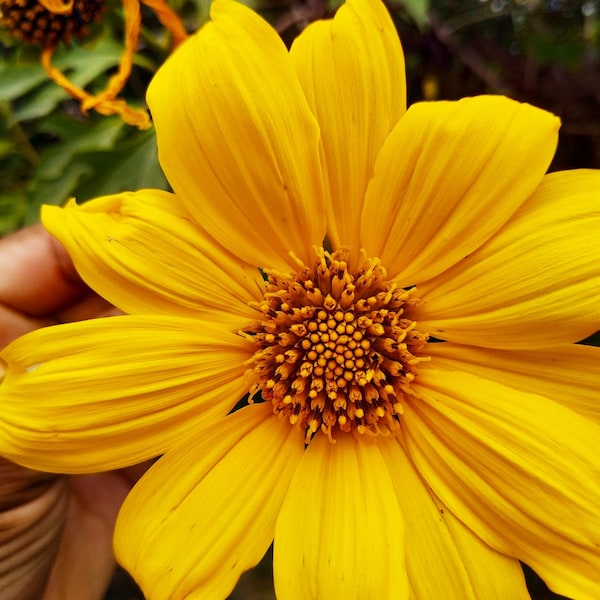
<point x="381" y="464"/>
<point x="50" y="22"/>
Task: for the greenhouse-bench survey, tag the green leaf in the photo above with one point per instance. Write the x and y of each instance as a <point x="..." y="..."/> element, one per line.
<point x="13" y="206"/>
<point x="54" y="191"/>
<point x="35" y="95"/>
<point x="88" y="158"/>
<point x="78" y="137"/>
<point x="132" y="166"/>
<point x="7" y="148"/>
<point x="83" y="64"/>
<point x="92" y="161"/>
<point x="417" y="10"/>
<point x="18" y="79"/>
<point x="39" y="103"/>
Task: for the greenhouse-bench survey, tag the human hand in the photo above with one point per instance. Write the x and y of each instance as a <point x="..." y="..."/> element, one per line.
<point x="55" y="531"/>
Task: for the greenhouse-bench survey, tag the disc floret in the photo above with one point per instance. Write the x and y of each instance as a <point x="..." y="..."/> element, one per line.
<point x="337" y="348"/>
<point x="48" y="23"/>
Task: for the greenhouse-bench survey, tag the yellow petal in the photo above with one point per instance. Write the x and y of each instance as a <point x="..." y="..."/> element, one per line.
<point x="448" y="177"/>
<point x="106" y="393"/>
<point x="535" y="283"/>
<point x="237" y="139"/>
<point x="566" y="373"/>
<point x="352" y="71"/>
<point x="519" y="470"/>
<point x="143" y="254"/>
<point x="340" y="533"/>
<point x="206" y="511"/>
<point x="443" y="558"/>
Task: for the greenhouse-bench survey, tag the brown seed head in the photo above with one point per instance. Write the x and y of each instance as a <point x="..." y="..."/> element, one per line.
<point x="34" y="23"/>
<point x="337" y="347"/>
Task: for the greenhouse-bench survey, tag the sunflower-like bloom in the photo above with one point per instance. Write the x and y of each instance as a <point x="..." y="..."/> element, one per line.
<point x="50" y="22"/>
<point x="282" y="305"/>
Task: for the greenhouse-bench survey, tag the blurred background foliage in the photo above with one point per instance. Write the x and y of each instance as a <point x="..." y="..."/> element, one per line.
<point x="546" y="52"/>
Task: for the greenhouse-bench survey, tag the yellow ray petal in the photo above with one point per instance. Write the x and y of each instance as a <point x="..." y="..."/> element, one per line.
<point x="206" y="511"/>
<point x="535" y="283"/>
<point x="237" y="139"/>
<point x="519" y="470"/>
<point x="352" y="71"/>
<point x="142" y="252"/>
<point x="340" y="533"/>
<point x="566" y="373"/>
<point x="443" y="558"/>
<point x="448" y="177"/>
<point x="102" y="394"/>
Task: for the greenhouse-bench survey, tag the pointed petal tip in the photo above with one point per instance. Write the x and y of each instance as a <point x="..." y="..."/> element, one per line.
<point x="206" y="511"/>
<point x="107" y="393"/>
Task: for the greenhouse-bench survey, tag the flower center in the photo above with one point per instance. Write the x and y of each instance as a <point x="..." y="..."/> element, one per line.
<point x="337" y="348"/>
<point x="35" y="23"/>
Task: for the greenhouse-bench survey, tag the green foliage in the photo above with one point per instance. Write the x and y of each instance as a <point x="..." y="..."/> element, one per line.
<point x="130" y="165"/>
<point x="548" y="32"/>
<point x="13" y="207"/>
<point x="81" y="159"/>
<point x="92" y="158"/>
<point x="49" y="151"/>
<point x="73" y="157"/>
<point x="417" y="11"/>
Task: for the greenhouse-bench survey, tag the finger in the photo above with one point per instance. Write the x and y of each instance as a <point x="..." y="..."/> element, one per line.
<point x="85" y="561"/>
<point x="38" y="278"/>
<point x="33" y="507"/>
<point x="13" y="324"/>
<point x="90" y="306"/>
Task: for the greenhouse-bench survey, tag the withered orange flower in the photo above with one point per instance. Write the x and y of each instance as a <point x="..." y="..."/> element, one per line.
<point x="48" y="23"/>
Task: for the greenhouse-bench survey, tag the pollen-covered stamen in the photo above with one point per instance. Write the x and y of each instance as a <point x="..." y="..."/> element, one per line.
<point x="36" y="23"/>
<point x="337" y="348"/>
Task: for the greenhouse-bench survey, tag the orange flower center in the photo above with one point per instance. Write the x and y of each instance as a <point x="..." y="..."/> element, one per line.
<point x="337" y="347"/>
<point x="35" y="23"/>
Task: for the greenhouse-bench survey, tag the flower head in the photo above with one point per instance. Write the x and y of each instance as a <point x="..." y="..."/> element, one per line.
<point x="50" y="22"/>
<point x="282" y="307"/>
